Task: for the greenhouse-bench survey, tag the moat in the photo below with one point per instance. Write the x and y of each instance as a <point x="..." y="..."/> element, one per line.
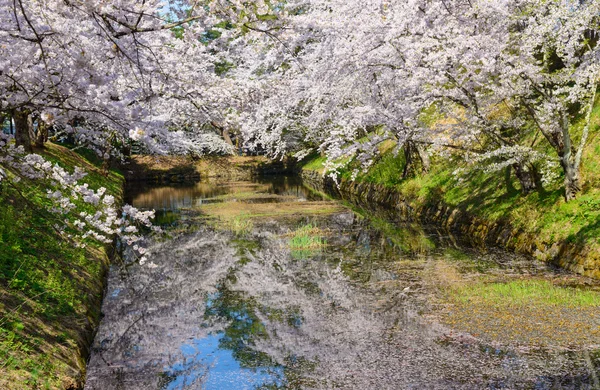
<point x="267" y="284"/>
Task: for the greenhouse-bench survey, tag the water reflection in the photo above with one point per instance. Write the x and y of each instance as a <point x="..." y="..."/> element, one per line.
<point x="169" y="200"/>
<point x="222" y="310"/>
<point x="177" y="196"/>
<point x="207" y="364"/>
<point x="172" y="197"/>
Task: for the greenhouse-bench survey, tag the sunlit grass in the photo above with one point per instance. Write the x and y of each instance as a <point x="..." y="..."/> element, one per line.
<point x="305" y="241"/>
<point x="49" y="289"/>
<point x="494" y="197"/>
<point x="530" y="311"/>
<point x="307" y="237"/>
<point x="229" y="210"/>
<point x="525" y="292"/>
<point x="252" y="195"/>
<point x="240" y="225"/>
<point x="316" y="163"/>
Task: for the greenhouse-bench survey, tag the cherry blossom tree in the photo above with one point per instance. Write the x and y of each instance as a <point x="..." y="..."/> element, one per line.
<point x="493" y="71"/>
<point x="105" y="74"/>
<point x="341" y="77"/>
<point x="118" y="69"/>
<point x="554" y="69"/>
<point x="109" y="73"/>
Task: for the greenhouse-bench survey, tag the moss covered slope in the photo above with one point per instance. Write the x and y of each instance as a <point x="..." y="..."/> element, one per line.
<point x="50" y="291"/>
<point x="543" y="224"/>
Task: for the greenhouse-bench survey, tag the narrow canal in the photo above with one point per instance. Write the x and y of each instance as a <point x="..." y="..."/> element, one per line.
<point x="270" y="285"/>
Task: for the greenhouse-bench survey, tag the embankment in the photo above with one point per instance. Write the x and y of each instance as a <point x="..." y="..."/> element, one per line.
<point x="50" y="291"/>
<point x="577" y="255"/>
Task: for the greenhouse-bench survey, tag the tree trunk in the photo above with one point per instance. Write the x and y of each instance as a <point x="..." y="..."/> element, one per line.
<point x="23" y="129"/>
<point x="224" y="132"/>
<point x="568" y="163"/>
<point x="572" y="179"/>
<point x="560" y="139"/>
<point x="42" y="134"/>
<point x="527" y="176"/>
<point x="226" y="137"/>
<point x="424" y="157"/>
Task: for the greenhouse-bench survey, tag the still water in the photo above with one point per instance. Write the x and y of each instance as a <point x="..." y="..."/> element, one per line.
<point x="270" y="285"/>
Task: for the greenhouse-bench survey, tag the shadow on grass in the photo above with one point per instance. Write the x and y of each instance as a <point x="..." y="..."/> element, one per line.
<point x="586" y="235"/>
<point x="479" y="194"/>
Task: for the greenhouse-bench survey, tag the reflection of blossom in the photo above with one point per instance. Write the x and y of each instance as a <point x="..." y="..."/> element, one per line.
<point x="309" y="315"/>
<point x="148" y="293"/>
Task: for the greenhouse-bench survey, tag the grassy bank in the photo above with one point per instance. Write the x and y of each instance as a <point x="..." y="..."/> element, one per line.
<point x="495" y="198"/>
<point x="543" y="310"/>
<point x="50" y="291"/>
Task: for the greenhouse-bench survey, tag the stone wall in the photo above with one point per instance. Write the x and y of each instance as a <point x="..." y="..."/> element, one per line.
<point x="179" y="169"/>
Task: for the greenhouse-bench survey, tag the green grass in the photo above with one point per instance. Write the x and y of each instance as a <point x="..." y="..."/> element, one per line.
<point x="307" y="237"/>
<point x="49" y="290"/>
<point x="495" y="197"/>
<point x="112" y="180"/>
<point x="316" y="163"/>
<point x="526" y="292"/>
<point x="240" y="225"/>
<point x="531" y="311"/>
<point x="228" y="210"/>
<point x="306" y="241"/>
<point x="387" y="171"/>
<point x="250" y="196"/>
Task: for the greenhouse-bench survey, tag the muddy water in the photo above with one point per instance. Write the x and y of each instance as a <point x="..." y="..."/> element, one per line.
<point x="269" y="285"/>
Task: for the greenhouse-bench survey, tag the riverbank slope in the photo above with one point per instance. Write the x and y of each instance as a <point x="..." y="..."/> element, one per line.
<point x="50" y="291"/>
<point x="484" y="209"/>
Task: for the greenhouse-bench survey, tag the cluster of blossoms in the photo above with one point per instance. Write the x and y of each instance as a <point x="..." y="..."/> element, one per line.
<point x="81" y="213"/>
<point x="100" y="81"/>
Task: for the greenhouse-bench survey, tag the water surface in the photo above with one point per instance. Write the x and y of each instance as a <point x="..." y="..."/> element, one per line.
<point x="234" y="297"/>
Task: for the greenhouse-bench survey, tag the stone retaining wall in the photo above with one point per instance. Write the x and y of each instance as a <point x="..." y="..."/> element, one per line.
<point x="177" y="169"/>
